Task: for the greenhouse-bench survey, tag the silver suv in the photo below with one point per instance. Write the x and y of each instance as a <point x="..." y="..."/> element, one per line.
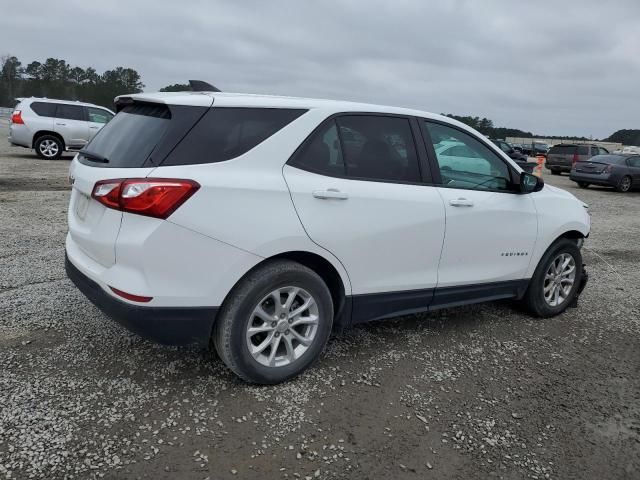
<point x="53" y="126"/>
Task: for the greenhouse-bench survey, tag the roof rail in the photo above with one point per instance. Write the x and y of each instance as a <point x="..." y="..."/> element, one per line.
<point x="200" y="86"/>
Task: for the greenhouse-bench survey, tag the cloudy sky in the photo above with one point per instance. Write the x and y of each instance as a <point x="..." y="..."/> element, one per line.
<point x="558" y="67"/>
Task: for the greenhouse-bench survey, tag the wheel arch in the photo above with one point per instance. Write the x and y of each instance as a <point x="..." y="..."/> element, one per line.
<point x="40" y="133"/>
<point x="333" y="277"/>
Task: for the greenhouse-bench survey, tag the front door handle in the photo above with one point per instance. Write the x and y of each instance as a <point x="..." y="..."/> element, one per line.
<point x="94" y="128"/>
<point x="461" y="202"/>
<point x="61" y="124"/>
<point x="331" y="193"/>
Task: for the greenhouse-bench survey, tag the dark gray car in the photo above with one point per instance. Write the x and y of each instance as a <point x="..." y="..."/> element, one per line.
<point x="619" y="171"/>
<point x="561" y="158"/>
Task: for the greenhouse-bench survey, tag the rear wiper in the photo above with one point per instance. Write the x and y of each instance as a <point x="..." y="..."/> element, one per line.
<point x="93" y="156"/>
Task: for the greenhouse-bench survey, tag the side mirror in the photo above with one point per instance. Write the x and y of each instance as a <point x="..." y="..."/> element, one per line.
<point x="530" y="183"/>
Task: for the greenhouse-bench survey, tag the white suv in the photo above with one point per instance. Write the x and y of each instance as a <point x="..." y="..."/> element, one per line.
<point x="259" y="223"/>
<point x="53" y="126"/>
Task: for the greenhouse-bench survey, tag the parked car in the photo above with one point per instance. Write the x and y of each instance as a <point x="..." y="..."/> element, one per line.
<point x="562" y="157"/>
<point x="247" y="221"/>
<point x="619" y="171"/>
<point x="520" y="158"/>
<point x="535" y="148"/>
<point x="53" y="126"/>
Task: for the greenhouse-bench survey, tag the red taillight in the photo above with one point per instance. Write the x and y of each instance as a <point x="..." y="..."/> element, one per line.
<point x="152" y="197"/>
<point x="130" y="296"/>
<point x="16" y="117"/>
<point x="575" y="159"/>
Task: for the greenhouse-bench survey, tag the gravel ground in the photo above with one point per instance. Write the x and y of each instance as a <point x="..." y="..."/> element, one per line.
<point x="476" y="392"/>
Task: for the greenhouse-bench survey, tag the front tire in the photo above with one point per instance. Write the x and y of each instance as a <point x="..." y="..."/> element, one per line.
<point x="556" y="280"/>
<point x="275" y="322"/>
<point x="49" y="147"/>
<point x="583" y="184"/>
<point x="555" y="172"/>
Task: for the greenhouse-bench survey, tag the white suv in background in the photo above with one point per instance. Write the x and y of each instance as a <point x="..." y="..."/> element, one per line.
<point x="258" y="223"/>
<point x="53" y="126"/>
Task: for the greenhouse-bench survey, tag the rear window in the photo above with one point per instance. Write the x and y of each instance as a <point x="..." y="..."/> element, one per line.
<point x="44" y="109"/>
<point x="129" y="139"/>
<point x="224" y="133"/>
<point x="563" y="149"/>
<point x="70" y="112"/>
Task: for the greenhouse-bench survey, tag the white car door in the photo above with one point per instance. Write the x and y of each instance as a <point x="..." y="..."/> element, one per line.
<point x="363" y="199"/>
<point x="491" y="227"/>
<point x="71" y="123"/>
<point x="98" y="118"/>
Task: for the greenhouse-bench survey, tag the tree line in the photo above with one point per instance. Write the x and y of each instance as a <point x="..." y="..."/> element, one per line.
<point x="55" y="78"/>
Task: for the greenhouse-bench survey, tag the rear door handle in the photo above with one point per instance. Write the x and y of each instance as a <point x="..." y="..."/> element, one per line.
<point x="331" y="193"/>
<point x="62" y="124"/>
<point x="94" y="128"/>
<point x="461" y="202"/>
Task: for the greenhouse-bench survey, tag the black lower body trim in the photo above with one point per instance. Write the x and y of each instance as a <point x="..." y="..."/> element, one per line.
<point x="166" y="325"/>
<point x="377" y="306"/>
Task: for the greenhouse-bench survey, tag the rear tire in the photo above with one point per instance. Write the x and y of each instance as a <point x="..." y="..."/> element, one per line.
<point x="48" y="147"/>
<point x="540" y="298"/>
<point x="555" y="172"/>
<point x="583" y="184"/>
<point x="624" y="185"/>
<point x="265" y="342"/>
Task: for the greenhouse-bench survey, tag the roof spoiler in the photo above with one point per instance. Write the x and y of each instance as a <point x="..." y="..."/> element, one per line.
<point x="200" y="86"/>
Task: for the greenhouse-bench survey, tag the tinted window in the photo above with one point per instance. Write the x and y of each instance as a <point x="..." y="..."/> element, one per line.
<point x="583" y="150"/>
<point x="634" y="161"/>
<point x="563" y="149"/>
<point x="322" y="153"/>
<point x="603" y="151"/>
<point x="70" y="112"/>
<point x="97" y="115"/>
<point x="594" y="151"/>
<point x="44" y="109"/>
<point x="378" y="148"/>
<point x="226" y="133"/>
<point x="465" y="162"/>
<point x="128" y="139"/>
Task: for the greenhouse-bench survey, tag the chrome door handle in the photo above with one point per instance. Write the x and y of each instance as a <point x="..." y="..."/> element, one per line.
<point x="331" y="193"/>
<point x="461" y="202"/>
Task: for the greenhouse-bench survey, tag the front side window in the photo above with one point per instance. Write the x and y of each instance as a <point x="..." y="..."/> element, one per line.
<point x="378" y="148"/>
<point x="70" y="112"/>
<point x="97" y="115"/>
<point x="465" y="162"/>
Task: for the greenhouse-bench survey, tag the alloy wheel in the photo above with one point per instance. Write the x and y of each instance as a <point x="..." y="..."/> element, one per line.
<point x="625" y="184"/>
<point x="48" y="148"/>
<point x="282" y="326"/>
<point x="559" y="279"/>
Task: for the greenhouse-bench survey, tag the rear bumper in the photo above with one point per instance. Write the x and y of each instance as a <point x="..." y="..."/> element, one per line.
<point x="557" y="167"/>
<point x="593" y="178"/>
<point x="166" y="325"/>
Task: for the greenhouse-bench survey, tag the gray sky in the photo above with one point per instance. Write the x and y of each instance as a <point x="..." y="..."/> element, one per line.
<point x="551" y="67"/>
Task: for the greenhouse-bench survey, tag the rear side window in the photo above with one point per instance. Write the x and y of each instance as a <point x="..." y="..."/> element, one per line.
<point x="97" y="115"/>
<point x="70" y="112"/>
<point x="44" y="109"/>
<point x="563" y="149"/>
<point x="583" y="150"/>
<point x="378" y="148"/>
<point x="224" y="133"/>
<point x="322" y="154"/>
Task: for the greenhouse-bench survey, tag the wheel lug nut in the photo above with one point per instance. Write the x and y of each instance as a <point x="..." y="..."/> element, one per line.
<point x="291" y="320"/>
<point x="277" y="334"/>
<point x="273" y="324"/>
<point x="282" y="315"/>
<point x="286" y="332"/>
